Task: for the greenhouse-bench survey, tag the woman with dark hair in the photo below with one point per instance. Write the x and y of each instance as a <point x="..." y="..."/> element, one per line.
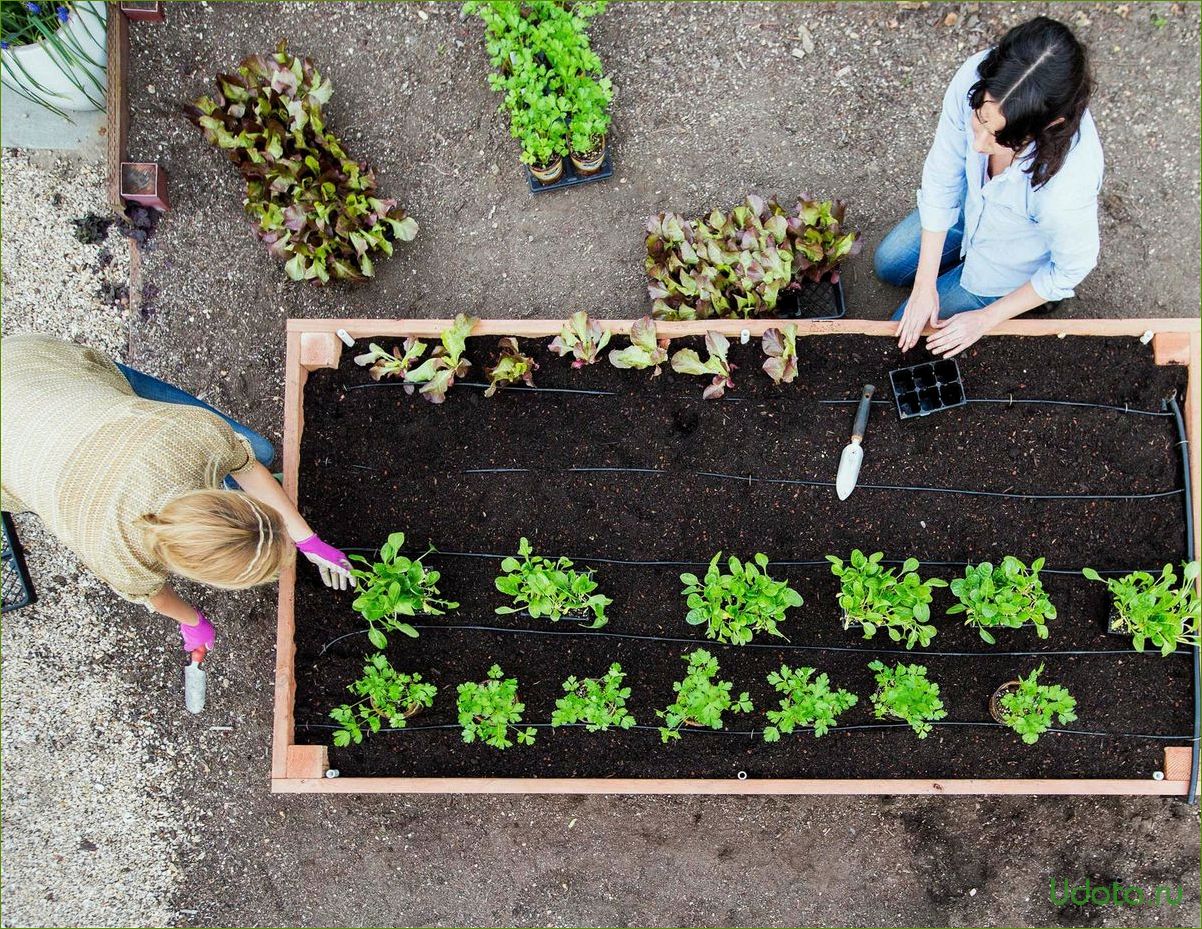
<point x="1007" y="216"/>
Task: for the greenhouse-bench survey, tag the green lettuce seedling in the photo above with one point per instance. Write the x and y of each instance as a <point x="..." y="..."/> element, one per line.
<point x="391" y="364"/>
<point x="687" y="361"/>
<point x="395" y="586"/>
<point x="1007" y="595"/>
<point x="781" y="348"/>
<point x="1031" y="708"/>
<point x="700" y="700"/>
<point x="438" y="372"/>
<point x="582" y="338"/>
<point x="511" y="366"/>
<point x="1156" y="610"/>
<point x="903" y="692"/>
<point x="387" y="696"/>
<point x="549" y="588"/>
<point x="805" y="703"/>
<point x="735" y="606"/>
<point x="875" y="597"/>
<point x="490" y="710"/>
<point x="598" y="703"/>
<point x="644" y="351"/>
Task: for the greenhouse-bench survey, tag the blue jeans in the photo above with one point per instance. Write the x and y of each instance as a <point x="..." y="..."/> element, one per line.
<point x="151" y="388"/>
<point x="896" y="263"/>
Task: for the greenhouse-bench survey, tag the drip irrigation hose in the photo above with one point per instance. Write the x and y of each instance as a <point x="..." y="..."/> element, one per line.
<point x="1190" y="555"/>
<point x="1014" y="401"/>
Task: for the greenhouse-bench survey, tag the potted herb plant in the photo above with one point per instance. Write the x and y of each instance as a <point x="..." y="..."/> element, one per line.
<point x="1007" y="595"/>
<point x="590" y="122"/>
<point x="734" y="606"/>
<point x="1030" y="708"/>
<point x="542" y="587"/>
<point x="596" y="703"/>
<point x="394" y="586"/>
<point x="54" y="55"/>
<point x="874" y="597"/>
<point x="1159" y="610"/>
<point x="700" y="700"/>
<point x="490" y="712"/>
<point x="904" y="692"/>
<point x="386" y="696"/>
<point x="808" y="702"/>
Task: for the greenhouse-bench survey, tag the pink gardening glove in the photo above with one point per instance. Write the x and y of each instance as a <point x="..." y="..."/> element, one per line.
<point x="199" y="636"/>
<point x="334" y="566"/>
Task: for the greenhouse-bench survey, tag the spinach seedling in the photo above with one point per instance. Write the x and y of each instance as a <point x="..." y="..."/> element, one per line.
<point x="392" y="364"/>
<point x="597" y="702"/>
<point x="386" y="696"/>
<point x="1156" y="610"/>
<point x="550" y="588"/>
<point x="1007" y="595"/>
<point x="735" y="606"/>
<point x="437" y="373"/>
<point x="904" y="693"/>
<point x="511" y="366"/>
<point x="875" y="597"/>
<point x="644" y="351"/>
<point x="582" y="338"/>
<point x="490" y="709"/>
<point x="686" y="361"/>
<point x="700" y="700"/>
<point x="395" y="586"/>
<point x="781" y="348"/>
<point x="1031" y="708"/>
<point x="805" y="703"/>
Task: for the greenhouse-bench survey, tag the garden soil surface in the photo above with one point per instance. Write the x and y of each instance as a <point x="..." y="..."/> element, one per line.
<point x="715" y="476"/>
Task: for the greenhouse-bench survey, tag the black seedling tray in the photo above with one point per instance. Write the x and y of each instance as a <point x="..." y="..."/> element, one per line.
<point x="18" y="588"/>
<point x="926" y="388"/>
<point x="812" y="300"/>
<point x="570" y="178"/>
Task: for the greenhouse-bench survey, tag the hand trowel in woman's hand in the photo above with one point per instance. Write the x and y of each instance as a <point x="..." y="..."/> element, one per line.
<point x="195" y="683"/>
<point x="853" y="453"/>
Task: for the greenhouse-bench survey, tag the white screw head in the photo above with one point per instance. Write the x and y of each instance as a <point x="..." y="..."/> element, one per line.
<point x="332" y="772"/>
<point x="744" y="336"/>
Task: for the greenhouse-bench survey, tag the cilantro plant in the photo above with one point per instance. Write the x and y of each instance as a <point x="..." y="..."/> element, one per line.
<point x="490" y="711"/>
<point x="735" y="606"/>
<point x="437" y="373"/>
<point x="1156" y="609"/>
<point x="781" y="348"/>
<point x="386" y="697"/>
<point x="511" y="366"/>
<point x="391" y="364"/>
<point x="686" y="361"/>
<point x="597" y="702"/>
<point x="394" y="586"/>
<point x="1008" y="595"/>
<point x="874" y="597"/>
<point x="903" y="692"/>
<point x="805" y="703"/>
<point x="1031" y="708"/>
<point x="550" y="588"/>
<point x="700" y="700"/>
<point x="644" y="351"/>
<point x="581" y="338"/>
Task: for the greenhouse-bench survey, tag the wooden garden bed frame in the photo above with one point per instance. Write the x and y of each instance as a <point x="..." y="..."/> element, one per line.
<point x="301" y="768"/>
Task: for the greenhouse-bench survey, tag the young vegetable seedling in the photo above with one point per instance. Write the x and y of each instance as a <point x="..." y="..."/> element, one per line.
<point x="396" y="586"/>
<point x="387" y="696"/>
<point x="781" y="348"/>
<point x="806" y="702"/>
<point x="904" y="693"/>
<point x="437" y="373"/>
<point x="1030" y="708"/>
<point x="735" y="606"/>
<point x="392" y="364"/>
<point x="686" y="361"/>
<point x="511" y="366"/>
<point x="1007" y="595"/>
<point x="550" y="588"/>
<point x="874" y="597"/>
<point x="489" y="710"/>
<point x="700" y="700"/>
<point x="1156" y="610"/>
<point x="581" y="338"/>
<point x="597" y="702"/>
<point x="644" y="351"/>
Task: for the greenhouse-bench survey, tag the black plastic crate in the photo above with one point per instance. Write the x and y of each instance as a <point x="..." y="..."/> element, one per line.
<point x="811" y="300"/>
<point x="927" y="388"/>
<point x="570" y="178"/>
<point x="18" y="588"/>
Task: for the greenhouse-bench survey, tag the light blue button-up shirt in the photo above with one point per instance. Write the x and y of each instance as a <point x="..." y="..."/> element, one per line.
<point x="1013" y="233"/>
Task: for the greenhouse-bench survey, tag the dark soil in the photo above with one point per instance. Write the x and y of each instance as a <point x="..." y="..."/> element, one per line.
<point x="375" y="460"/>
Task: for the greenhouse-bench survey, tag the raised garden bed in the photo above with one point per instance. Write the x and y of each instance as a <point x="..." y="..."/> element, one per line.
<point x="473" y="475"/>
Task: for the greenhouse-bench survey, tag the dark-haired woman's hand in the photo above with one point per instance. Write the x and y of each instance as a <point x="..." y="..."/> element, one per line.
<point x="922" y="309"/>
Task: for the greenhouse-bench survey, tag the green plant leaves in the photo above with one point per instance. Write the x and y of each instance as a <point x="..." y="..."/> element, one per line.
<point x="700" y="700"/>
<point x="1156" y="609"/>
<point x="780" y="345"/>
<point x="903" y="692"/>
<point x="734" y="606"/>
<point x="582" y="338"/>
<point x="489" y="711"/>
<point x="550" y="588"/>
<point x="875" y="597"/>
<point x="512" y="366"/>
<point x="808" y="702"/>
<point x="386" y="697"/>
<point x="687" y="361"/>
<point x="1031" y="708"/>
<point x="395" y="586"/>
<point x="1007" y="595"/>
<point x="598" y="703"/>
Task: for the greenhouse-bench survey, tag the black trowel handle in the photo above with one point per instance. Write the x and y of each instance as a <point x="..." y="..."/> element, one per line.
<point x="861" y="423"/>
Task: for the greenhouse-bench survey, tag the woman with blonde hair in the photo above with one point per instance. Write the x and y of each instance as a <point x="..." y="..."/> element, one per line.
<point x="138" y="479"/>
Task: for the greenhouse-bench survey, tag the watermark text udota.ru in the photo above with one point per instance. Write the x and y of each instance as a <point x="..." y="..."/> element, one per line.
<point x="1084" y="893"/>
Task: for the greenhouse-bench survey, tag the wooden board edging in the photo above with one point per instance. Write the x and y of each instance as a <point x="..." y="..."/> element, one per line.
<point x="116" y="102"/>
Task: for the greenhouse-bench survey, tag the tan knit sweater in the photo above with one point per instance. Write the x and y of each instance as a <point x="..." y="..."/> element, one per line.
<point x="89" y="457"/>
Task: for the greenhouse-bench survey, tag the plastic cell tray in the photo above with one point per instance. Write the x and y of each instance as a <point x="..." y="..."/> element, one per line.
<point x="812" y="300"/>
<point x="17" y="586"/>
<point x="570" y="178"/>
<point x="926" y="388"/>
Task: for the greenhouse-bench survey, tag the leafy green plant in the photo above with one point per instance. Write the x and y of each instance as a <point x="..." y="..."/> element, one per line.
<point x="381" y="363"/>
<point x="581" y="338"/>
<point x="1008" y="595"/>
<point x="393" y="586"/>
<point x="645" y="349"/>
<point x="781" y="348"/>
<point x="1156" y="609"/>
<point x="903" y="692"/>
<point x="437" y="374"/>
<point x="1031" y="708"/>
<point x="314" y="206"/>
<point x="511" y="366"/>
<point x="807" y="701"/>
<point x="687" y="361"/>
<point x="875" y="597"/>
<point x="490" y="710"/>
<point x="597" y="702"/>
<point x="386" y="696"/>
<point x="549" y="588"/>
<point x="735" y="606"/>
<point x="700" y="700"/>
<point x="590" y="101"/>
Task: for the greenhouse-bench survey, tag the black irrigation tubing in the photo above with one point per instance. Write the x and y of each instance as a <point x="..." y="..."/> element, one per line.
<point x="1014" y="401"/>
<point x="1190" y="555"/>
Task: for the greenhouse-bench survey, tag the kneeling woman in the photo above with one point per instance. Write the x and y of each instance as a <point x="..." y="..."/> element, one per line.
<point x="1007" y="216"/>
<point x="135" y="476"/>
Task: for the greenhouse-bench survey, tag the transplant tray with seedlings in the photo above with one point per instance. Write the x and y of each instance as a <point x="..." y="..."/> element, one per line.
<point x="624" y="566"/>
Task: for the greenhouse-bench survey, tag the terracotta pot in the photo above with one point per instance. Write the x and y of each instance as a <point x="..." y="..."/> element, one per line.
<point x="995" y="702"/>
<point x="548" y="173"/>
<point x="590" y="162"/>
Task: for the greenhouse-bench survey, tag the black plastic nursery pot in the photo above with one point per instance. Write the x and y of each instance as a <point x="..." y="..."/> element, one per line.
<point x="807" y="299"/>
<point x="929" y="387"/>
<point x="571" y="177"/>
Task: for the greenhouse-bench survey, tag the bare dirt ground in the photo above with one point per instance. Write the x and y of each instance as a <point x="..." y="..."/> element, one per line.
<point x="711" y="103"/>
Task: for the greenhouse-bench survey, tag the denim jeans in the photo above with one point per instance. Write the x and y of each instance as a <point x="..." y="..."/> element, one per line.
<point x="896" y="263"/>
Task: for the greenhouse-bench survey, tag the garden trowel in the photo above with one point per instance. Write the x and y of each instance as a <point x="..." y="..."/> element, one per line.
<point x="195" y="683"/>
<point x="853" y="453"/>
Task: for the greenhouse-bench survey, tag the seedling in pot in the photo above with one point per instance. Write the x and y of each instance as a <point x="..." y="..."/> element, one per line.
<point x="490" y="711"/>
<point x="391" y="364"/>
<point x="550" y="588"/>
<point x="1155" y="609"/>
<point x="686" y="361"/>
<point x="1008" y="595"/>
<point x="510" y="367"/>
<point x="903" y="692"/>
<point x="394" y="586"/>
<point x="807" y="701"/>
<point x="644" y="351"/>
<point x="700" y="700"/>
<point x="582" y="338"/>
<point x="781" y="348"/>
<point x="735" y="606"/>
<point x="386" y="697"/>
<point x="598" y="703"/>
<point x="874" y="597"/>
<point x="1030" y="708"/>
<point x="437" y="374"/>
